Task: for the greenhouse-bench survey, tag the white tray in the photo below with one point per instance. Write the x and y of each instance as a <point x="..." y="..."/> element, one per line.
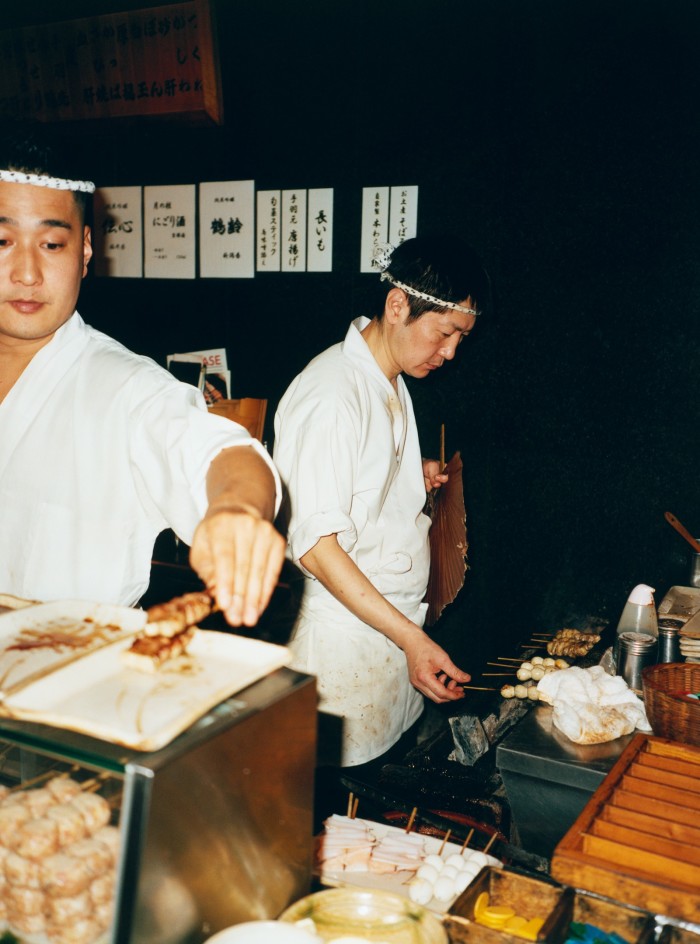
<point x="680" y="603"/>
<point x="84" y="627"/>
<point x="100" y="695"/>
<point x="396" y="882"/>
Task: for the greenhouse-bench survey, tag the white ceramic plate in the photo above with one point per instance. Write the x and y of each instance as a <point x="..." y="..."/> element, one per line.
<point x="264" y="932"/>
<point x="39" y="639"/>
<point x="101" y="696"/>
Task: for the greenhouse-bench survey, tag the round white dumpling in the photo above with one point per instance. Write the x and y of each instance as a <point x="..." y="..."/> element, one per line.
<point x="456" y="861"/>
<point x="428" y="872"/>
<point x="444" y="888"/>
<point x="479" y="859"/>
<point x="461" y="881"/>
<point x="435" y="860"/>
<point x="471" y="869"/>
<point x="420" y="891"/>
<point x="449" y="871"/>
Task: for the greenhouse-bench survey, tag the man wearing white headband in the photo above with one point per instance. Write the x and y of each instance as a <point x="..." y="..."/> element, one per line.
<point x="101" y="449"/>
<point x="346" y="446"/>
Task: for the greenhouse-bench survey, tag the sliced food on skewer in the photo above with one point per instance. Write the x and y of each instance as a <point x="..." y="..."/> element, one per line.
<point x="168" y="631"/>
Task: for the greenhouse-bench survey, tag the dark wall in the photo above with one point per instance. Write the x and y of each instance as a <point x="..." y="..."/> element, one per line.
<point x="562" y="140"/>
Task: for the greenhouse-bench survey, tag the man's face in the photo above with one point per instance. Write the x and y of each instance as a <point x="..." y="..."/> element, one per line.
<point x="422" y="346"/>
<point x="44" y="252"/>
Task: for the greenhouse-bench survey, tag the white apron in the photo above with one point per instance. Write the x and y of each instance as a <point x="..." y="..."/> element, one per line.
<point x="346" y="446"/>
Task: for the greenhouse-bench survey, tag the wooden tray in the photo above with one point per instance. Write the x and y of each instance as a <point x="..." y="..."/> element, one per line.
<point x="637" y="839"/>
<point x="526" y="896"/>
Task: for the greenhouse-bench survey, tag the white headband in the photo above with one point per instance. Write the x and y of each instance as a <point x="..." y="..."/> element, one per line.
<point x="382" y="259"/>
<point x="56" y="183"/>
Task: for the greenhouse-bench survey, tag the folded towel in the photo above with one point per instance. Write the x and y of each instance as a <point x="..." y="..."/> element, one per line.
<point x="590" y="706"/>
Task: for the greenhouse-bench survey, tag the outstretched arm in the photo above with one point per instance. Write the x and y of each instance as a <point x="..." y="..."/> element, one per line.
<point x="236" y="549"/>
<point x="430" y="669"/>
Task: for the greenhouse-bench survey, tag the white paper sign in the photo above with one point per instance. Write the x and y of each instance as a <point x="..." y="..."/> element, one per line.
<point x="169" y="232"/>
<point x="117" y="236"/>
<point x="375" y="224"/>
<point x="319" y="248"/>
<point x="269" y="203"/>
<point x="403" y="214"/>
<point x="227" y="229"/>
<point x="294" y="230"/>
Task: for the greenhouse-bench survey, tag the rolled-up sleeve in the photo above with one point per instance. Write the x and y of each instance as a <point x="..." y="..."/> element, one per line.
<point x="175" y="439"/>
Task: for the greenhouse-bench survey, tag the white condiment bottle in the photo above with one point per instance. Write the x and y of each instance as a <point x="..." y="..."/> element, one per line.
<point x="638" y="616"/>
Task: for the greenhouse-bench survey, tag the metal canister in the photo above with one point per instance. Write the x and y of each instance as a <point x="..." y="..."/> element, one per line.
<point x="669" y="642"/>
<point x="694" y="570"/>
<point x="636" y="652"/>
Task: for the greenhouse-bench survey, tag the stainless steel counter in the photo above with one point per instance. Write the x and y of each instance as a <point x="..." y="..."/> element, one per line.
<point x="549" y="779"/>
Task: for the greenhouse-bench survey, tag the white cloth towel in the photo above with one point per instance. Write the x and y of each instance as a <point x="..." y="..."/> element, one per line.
<point x="590" y="706"/>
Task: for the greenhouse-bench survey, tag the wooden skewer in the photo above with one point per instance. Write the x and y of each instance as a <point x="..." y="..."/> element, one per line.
<point x="478" y="688"/>
<point x="491" y="841"/>
<point x="507" y="674"/>
<point x="444" y="841"/>
<point x="467" y="840"/>
<point x="354" y="807"/>
<point x="442" y="447"/>
<point x="508" y="659"/>
<point x="350" y="799"/>
<point x="411" y="818"/>
<point x="541" y="635"/>
<point x="501" y="665"/>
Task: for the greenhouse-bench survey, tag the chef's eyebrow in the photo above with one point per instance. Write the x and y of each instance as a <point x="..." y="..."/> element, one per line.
<point x="59" y="224"/>
<point x="52" y="224"/>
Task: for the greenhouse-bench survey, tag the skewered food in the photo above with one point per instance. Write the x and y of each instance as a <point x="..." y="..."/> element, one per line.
<point x="57" y="864"/>
<point x="171" y="618"/>
<point x="148" y="653"/>
<point x="572" y="643"/>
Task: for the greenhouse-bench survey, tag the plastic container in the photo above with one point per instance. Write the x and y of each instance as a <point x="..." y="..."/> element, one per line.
<point x="638" y="617"/>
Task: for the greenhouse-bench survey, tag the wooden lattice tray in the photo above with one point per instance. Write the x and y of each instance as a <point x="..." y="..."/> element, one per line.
<point x="637" y="839"/>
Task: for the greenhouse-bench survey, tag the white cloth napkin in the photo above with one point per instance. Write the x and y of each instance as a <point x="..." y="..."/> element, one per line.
<point x="590" y="706"/>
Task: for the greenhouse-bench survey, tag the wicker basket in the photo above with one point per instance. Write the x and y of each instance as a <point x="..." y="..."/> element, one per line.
<point x="669" y="716"/>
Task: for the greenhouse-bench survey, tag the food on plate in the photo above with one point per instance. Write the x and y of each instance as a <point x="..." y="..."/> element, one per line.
<point x="344" y="845"/>
<point x="171" y="618"/>
<point x="168" y="631"/>
<point x="572" y="643"/>
<point x="446" y="878"/>
<point x="148" y="653"/>
<point x="397" y="852"/>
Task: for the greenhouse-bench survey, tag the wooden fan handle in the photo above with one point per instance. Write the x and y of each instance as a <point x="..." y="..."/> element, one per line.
<point x="675" y="523"/>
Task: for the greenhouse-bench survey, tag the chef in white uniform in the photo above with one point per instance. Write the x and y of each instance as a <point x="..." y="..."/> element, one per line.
<point x="102" y="449"/>
<point x="346" y="446"/>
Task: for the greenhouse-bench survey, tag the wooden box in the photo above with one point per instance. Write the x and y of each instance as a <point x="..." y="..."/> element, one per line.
<point x="528" y="897"/>
<point x="677" y="935"/>
<point x="637" y="839"/>
<point x="632" y="924"/>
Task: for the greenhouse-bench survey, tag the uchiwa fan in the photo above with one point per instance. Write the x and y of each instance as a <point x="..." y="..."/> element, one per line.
<point x="448" y="541"/>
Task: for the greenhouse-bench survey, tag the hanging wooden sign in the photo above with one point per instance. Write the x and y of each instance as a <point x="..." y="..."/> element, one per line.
<point x="154" y="61"/>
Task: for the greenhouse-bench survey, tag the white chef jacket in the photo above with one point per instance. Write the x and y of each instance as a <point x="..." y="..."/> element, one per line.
<point x="100" y="450"/>
<point x="346" y="446"/>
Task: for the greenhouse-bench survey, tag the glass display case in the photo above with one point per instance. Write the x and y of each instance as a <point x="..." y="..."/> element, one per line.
<point x="106" y="844"/>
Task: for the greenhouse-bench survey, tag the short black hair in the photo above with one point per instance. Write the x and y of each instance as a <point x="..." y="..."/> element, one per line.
<point x="30" y="148"/>
<point x="443" y="266"/>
